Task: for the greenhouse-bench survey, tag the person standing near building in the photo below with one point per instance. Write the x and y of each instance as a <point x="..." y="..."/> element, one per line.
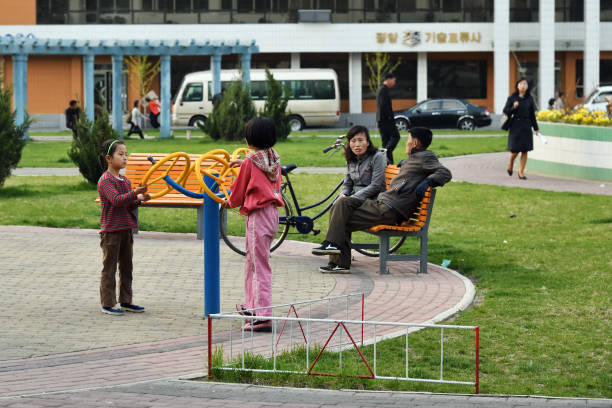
<point x="520" y="109"/>
<point x="136" y="120"/>
<point x="153" y="112"/>
<point x="72" y="116"/>
<point x="385" y="118"/>
<point x="558" y="104"/>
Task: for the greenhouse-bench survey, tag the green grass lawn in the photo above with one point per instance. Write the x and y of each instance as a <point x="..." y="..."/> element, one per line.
<point x="305" y="151"/>
<point x="542" y="279"/>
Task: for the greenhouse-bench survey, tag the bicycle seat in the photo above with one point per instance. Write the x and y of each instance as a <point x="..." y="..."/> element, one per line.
<point x="287" y="168"/>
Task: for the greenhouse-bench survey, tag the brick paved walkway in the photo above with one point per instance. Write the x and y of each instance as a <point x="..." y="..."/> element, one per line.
<point x="54" y="337"/>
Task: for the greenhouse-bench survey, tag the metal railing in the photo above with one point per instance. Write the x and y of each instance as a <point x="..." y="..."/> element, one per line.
<point x="317" y="333"/>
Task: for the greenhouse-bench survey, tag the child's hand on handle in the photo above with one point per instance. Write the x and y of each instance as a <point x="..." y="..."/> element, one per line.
<point x="236" y="163"/>
<point x="225" y="204"/>
<point x="143" y="197"/>
<point x="141" y="189"/>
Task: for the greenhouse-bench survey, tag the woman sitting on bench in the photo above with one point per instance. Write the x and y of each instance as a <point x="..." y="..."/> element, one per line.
<point x="365" y="176"/>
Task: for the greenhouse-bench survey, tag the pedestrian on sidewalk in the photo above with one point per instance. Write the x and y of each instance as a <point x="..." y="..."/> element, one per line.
<point x="136" y="120"/>
<point x="256" y="191"/>
<point x="72" y="114"/>
<point x="154" y="108"/>
<point x="520" y="110"/>
<point x="118" y="219"/>
<point x="385" y="118"/>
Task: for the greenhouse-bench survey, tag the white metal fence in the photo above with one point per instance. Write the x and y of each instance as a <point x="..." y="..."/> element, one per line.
<point x="321" y="320"/>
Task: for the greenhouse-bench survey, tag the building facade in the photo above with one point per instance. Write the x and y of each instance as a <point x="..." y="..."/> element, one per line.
<point x="469" y="49"/>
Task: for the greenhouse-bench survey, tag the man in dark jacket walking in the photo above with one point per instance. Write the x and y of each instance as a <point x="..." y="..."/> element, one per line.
<point x="385" y="118"/>
<point x="418" y="172"/>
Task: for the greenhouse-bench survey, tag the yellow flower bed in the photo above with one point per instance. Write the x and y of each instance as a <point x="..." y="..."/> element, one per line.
<point x="581" y="116"/>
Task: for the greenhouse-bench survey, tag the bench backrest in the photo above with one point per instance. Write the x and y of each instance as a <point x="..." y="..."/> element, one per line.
<point x="420" y="216"/>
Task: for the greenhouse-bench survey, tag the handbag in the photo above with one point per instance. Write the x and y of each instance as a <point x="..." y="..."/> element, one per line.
<point x="506" y="122"/>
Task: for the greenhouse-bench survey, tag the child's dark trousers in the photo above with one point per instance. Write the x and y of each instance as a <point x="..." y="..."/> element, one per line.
<point x="116" y="249"/>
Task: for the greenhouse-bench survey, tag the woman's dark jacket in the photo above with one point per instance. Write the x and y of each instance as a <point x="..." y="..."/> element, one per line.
<point x="520" y="135"/>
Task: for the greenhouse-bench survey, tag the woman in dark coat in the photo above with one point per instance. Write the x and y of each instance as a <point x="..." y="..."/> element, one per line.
<point x="520" y="110"/>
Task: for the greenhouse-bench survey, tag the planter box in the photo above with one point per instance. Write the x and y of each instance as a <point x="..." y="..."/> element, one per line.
<point x="574" y="151"/>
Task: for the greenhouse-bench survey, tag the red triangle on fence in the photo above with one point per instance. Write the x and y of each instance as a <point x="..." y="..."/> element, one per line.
<point x="285" y="322"/>
<point x="310" y="372"/>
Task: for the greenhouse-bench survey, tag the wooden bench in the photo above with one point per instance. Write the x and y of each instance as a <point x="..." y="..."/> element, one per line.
<point x="138" y="165"/>
<point x="416" y="226"/>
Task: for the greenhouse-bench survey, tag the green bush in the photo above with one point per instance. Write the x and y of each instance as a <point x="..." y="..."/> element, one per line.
<point x="87" y="147"/>
<point x="229" y="117"/>
<point x="11" y="136"/>
<point x="275" y="107"/>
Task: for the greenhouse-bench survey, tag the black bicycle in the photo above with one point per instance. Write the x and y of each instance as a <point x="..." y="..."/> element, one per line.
<point x="290" y="216"/>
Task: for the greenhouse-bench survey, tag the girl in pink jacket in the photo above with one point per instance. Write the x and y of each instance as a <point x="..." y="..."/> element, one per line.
<point x="256" y="191"/>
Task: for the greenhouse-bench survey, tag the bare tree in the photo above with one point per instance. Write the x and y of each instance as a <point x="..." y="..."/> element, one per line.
<point x="144" y="70"/>
<point x="379" y="65"/>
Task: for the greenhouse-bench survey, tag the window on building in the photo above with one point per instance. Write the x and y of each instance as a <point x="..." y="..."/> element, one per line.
<point x="524" y="10"/>
<point x="605" y="75"/>
<point x="463" y="79"/>
<point x="200" y="5"/>
<point x="569" y="10"/>
<point x="337" y="62"/>
<point x="605" y="10"/>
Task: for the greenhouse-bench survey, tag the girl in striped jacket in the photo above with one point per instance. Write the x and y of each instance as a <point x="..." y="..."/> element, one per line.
<point x="117" y="222"/>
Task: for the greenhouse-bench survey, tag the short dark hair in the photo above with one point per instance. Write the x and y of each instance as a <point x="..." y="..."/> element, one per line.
<point x="108" y="148"/>
<point x="72" y="102"/>
<point x="423" y="135"/>
<point x="136" y="102"/>
<point x="260" y="132"/>
<point x="551" y="101"/>
<point x="352" y="132"/>
<point x="389" y="76"/>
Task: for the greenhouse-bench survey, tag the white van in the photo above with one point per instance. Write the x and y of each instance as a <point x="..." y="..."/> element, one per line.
<point x="314" y="95"/>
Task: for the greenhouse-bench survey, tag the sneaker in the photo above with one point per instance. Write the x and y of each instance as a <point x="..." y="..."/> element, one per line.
<point x="259" y="326"/>
<point x="326" y="248"/>
<point x="128" y="307"/>
<point x="242" y="310"/>
<point x="333" y="268"/>
<point x="112" y="311"/>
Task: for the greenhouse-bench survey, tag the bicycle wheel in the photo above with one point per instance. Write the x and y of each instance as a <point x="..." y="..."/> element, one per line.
<point x="232" y="228"/>
<point x="363" y="237"/>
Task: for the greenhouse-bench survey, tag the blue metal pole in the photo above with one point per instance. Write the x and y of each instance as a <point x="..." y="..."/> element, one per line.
<point x="117" y="87"/>
<point x="20" y="88"/>
<point x="246" y="68"/>
<point x="212" y="287"/>
<point x="216" y="71"/>
<point x="165" y="97"/>
<point x="88" y="85"/>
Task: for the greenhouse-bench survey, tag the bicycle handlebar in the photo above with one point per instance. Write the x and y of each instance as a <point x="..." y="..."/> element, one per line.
<point x="337" y="144"/>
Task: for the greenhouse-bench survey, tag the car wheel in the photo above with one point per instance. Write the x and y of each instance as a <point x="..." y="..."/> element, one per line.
<point x="467" y="124"/>
<point x="402" y="124"/>
<point x="296" y="123"/>
<point x="197" y="121"/>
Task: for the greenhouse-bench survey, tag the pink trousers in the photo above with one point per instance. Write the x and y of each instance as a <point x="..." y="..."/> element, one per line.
<point x="261" y="228"/>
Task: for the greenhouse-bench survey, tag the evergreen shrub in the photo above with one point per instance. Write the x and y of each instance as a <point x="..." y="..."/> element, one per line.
<point x="11" y="136"/>
<point x="87" y="147"/>
<point x="275" y="107"/>
<point x="229" y="117"/>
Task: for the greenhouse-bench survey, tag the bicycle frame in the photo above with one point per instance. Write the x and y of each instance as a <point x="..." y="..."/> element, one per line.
<point x="296" y="204"/>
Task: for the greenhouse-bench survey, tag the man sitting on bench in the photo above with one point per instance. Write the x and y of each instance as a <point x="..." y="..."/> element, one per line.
<point x="418" y="172"/>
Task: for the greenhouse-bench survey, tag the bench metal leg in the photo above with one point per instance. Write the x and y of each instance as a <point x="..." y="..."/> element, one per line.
<point x="200" y="222"/>
<point x="423" y="254"/>
<point x="383" y="253"/>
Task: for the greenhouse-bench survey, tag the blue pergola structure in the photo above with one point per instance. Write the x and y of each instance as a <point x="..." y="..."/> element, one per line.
<point x="20" y="47"/>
